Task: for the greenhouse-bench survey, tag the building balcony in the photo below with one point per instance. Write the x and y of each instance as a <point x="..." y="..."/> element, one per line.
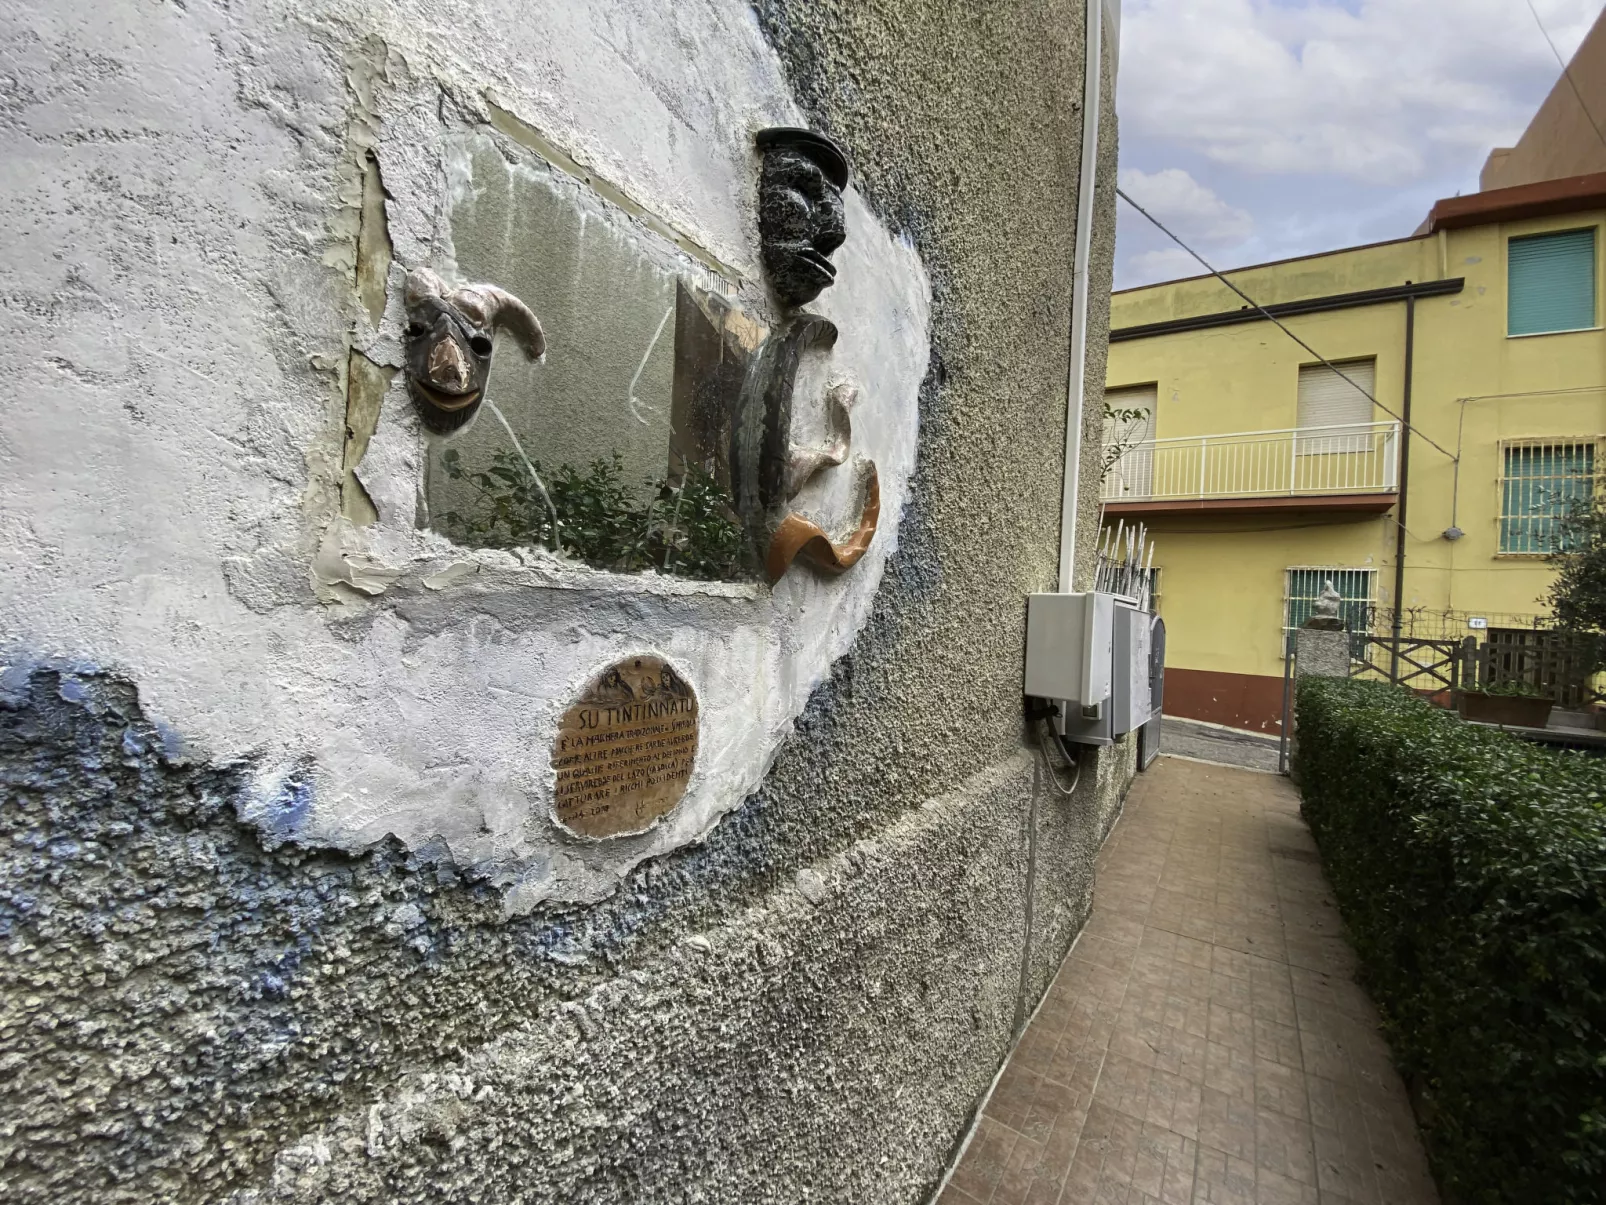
<point x="1354" y="467"/>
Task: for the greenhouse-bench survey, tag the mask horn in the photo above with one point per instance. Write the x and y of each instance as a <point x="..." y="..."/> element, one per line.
<point x="503" y="311"/>
<point x="421" y="284"/>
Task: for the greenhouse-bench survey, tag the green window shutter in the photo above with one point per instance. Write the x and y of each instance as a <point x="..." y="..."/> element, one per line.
<point x="1551" y="279"/>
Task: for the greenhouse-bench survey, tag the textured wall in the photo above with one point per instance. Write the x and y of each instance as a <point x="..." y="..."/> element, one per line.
<point x="804" y="1005"/>
<point x="214" y="208"/>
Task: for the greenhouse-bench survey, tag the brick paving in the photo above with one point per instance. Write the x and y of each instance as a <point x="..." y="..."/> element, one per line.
<point x="1205" y="1041"/>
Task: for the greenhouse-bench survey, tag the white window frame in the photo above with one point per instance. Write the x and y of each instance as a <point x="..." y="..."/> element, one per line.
<point x="1135" y="469"/>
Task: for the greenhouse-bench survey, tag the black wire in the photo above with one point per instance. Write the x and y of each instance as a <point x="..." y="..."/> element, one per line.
<point x="1265" y="313"/>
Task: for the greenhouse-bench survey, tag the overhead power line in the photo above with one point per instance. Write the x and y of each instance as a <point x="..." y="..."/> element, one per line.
<point x="1567" y="73"/>
<point x="1272" y="318"/>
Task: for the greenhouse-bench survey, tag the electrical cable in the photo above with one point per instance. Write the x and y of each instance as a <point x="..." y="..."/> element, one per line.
<point x="1048" y="738"/>
<point x="1018" y="1025"/>
<point x="1267" y="314"/>
<point x="1040" y="767"/>
<point x="1567" y="74"/>
<point x="1489" y="397"/>
<point x="1461" y="423"/>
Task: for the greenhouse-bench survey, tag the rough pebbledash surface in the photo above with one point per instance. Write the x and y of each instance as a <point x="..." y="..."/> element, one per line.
<point x="805" y="998"/>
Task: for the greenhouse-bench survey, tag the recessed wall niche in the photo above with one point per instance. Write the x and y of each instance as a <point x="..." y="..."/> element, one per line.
<point x="621" y="432"/>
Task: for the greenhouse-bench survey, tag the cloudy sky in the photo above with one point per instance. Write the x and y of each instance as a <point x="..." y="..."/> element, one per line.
<point x="1259" y="129"/>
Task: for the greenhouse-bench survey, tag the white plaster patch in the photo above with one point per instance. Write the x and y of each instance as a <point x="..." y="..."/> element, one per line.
<point x="180" y="311"/>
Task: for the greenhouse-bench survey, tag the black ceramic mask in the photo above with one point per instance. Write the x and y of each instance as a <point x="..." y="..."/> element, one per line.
<point x="450" y="337"/>
<point x="800" y="215"/>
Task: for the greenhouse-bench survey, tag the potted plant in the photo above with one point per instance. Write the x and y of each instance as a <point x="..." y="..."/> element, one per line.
<point x="1514" y="703"/>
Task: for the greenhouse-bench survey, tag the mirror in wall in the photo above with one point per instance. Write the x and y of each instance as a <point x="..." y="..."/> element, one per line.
<point x="637" y="412"/>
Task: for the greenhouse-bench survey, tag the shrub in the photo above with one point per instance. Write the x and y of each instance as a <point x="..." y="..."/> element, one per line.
<point x="1471" y="871"/>
<point x="1517" y="688"/>
<point x="686" y="529"/>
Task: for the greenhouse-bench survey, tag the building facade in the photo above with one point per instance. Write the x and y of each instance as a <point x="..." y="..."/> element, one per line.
<point x="1564" y="137"/>
<point x="1264" y="472"/>
<point x="514" y="541"/>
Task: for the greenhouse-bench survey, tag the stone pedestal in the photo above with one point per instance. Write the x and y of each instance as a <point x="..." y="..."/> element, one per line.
<point x="1322" y="651"/>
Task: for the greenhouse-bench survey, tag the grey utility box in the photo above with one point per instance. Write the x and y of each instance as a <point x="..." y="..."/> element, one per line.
<point x="1138" y="681"/>
<point x="1070" y="642"/>
<point x="1068" y="645"/>
<point x="1098" y="656"/>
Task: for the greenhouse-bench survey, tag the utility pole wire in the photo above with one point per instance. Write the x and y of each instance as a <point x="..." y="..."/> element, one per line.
<point x="1265" y="313"/>
<point x="1567" y="73"/>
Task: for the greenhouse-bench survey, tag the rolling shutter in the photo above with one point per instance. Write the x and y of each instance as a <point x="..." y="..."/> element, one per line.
<point x="1132" y="476"/>
<point x="1551" y="280"/>
<point x="1328" y="400"/>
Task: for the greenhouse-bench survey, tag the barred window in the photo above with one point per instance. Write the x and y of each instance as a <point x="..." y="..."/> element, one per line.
<point x="1154" y="589"/>
<point x="1541" y="484"/>
<point x="1304" y="585"/>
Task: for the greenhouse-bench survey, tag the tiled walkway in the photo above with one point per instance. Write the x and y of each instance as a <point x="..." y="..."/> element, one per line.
<point x="1205" y="1040"/>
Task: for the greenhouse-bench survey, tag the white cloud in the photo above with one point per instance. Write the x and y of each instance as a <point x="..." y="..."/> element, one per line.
<point x="1190" y="209"/>
<point x="1382" y="91"/>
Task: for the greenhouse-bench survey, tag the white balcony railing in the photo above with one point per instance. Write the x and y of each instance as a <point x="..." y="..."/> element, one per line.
<point x="1357" y="458"/>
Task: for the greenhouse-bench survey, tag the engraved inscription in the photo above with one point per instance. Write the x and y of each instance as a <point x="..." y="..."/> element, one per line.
<point x="625" y="749"/>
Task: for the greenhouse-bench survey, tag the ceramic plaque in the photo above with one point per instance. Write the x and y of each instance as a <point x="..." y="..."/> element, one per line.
<point x="625" y="749"/>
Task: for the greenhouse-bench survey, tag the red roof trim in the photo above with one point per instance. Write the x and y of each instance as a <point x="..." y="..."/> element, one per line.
<point x="1544" y="199"/>
<point x="1354" y="503"/>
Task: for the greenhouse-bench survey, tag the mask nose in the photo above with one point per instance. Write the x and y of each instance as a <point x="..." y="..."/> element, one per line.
<point x="449" y="368"/>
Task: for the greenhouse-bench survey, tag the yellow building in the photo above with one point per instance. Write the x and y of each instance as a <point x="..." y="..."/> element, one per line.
<point x="1262" y="472"/>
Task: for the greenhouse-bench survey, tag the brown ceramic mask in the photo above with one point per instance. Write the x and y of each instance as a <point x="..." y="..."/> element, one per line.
<point x="449" y="344"/>
<point x="800" y="215"/>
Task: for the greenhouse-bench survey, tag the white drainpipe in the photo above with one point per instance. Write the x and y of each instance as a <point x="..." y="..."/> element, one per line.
<point x="1076" y="389"/>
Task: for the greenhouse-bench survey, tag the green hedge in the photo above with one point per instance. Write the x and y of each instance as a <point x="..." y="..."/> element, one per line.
<point x="1471" y="871"/>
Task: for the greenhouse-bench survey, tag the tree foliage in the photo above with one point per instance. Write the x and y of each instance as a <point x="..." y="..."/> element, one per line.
<point x="1122" y="425"/>
<point x="1578" y="595"/>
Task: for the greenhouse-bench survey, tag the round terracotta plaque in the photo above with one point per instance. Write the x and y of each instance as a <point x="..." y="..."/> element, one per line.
<point x="625" y="748"/>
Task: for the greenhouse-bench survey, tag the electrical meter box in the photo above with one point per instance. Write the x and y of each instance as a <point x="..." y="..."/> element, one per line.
<point x="1101" y="658"/>
<point x="1069" y="641"/>
<point x="1070" y="646"/>
<point x="1139" y="677"/>
<point x="1149" y="730"/>
<point x="1156" y="667"/>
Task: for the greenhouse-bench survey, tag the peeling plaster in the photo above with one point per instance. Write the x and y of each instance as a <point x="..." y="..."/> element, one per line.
<point x="269" y="588"/>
